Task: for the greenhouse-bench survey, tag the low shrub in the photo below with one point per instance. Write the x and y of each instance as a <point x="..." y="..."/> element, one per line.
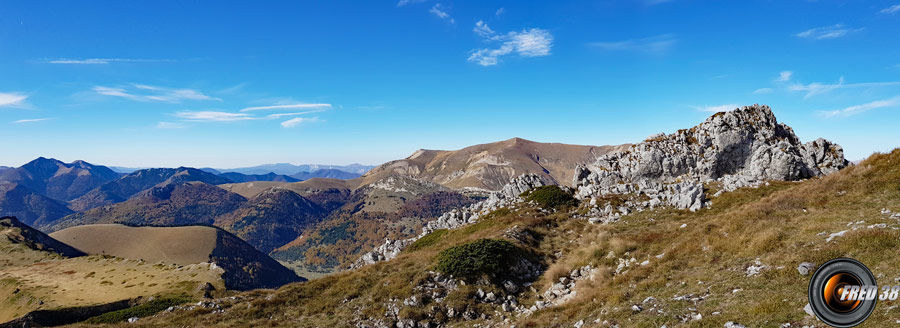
<point x="473" y="260"/>
<point x="550" y="197"/>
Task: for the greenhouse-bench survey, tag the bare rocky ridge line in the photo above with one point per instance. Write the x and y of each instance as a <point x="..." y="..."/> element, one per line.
<point x="740" y="148"/>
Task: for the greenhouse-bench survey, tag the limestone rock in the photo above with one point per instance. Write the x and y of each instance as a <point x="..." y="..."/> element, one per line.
<point x="806" y="268"/>
<point x="743" y="147"/>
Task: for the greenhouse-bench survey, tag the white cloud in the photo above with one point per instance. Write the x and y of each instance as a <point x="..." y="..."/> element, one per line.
<point x="853" y="110"/>
<point x="483" y="30"/>
<point x="763" y="91"/>
<point x="658" y="45"/>
<point x="171" y="125"/>
<point x="891" y="9"/>
<point x="95" y="61"/>
<point x="716" y="109"/>
<point x="147" y="93"/>
<point x="533" y="42"/>
<point x="784" y="76"/>
<point x="31" y="120"/>
<point x="12" y="99"/>
<point x="402" y="3"/>
<point x="289" y="106"/>
<point x="298" y="120"/>
<point x="500" y="11"/>
<point x="827" y="32"/>
<point x="441" y="13"/>
<point x="816" y="88"/>
<point x="213" y="116"/>
<point x="279" y="115"/>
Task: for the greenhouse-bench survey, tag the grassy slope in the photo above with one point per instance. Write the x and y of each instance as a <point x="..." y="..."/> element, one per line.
<point x="244" y="267"/>
<point x="31" y="280"/>
<point x="176" y="245"/>
<point x="781" y="225"/>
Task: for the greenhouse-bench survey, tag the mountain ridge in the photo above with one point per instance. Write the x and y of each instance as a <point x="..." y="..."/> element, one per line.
<point x="59" y="180"/>
<point x="176" y="204"/>
<point x="489" y="166"/>
<point x="123" y="188"/>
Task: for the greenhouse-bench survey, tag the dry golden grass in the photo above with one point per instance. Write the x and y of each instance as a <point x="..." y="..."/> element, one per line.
<point x="781" y="225"/>
<point x="53" y="282"/>
<point x="174" y="245"/>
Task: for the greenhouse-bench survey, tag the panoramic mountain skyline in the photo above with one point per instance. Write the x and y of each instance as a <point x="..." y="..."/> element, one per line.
<point x="168" y="84"/>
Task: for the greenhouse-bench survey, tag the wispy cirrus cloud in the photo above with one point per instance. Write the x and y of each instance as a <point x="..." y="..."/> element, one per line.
<point x="171" y="125"/>
<point x="148" y="93"/>
<point x="280" y="115"/>
<point x="32" y="120"/>
<point x="656" y="45"/>
<point x="784" y="76"/>
<point x="853" y="110"/>
<point x="213" y="116"/>
<point x="484" y="31"/>
<point x="287" y="106"/>
<point x="716" y="109"/>
<point x="763" y="91"/>
<point x="249" y="114"/>
<point x="890" y="10"/>
<point x="100" y="61"/>
<point x="532" y="42"/>
<point x="441" y="12"/>
<point x="298" y="120"/>
<point x="402" y="3"/>
<point x="817" y="88"/>
<point x="12" y="99"/>
<point x="827" y="32"/>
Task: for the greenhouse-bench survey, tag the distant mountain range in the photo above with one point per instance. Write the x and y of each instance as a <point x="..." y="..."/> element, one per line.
<point x="58" y="180"/>
<point x="279" y="168"/>
<point x="123" y="188"/>
<point x="314" y="217"/>
<point x="290" y="169"/>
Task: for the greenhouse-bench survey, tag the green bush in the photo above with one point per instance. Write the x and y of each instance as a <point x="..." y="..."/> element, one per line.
<point x="475" y="259"/>
<point x="427" y="240"/>
<point x="140" y="311"/>
<point x="550" y="197"/>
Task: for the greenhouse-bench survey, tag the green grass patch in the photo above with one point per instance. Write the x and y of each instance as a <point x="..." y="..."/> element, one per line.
<point x="427" y="240"/>
<point x="550" y="197"/>
<point x="140" y="311"/>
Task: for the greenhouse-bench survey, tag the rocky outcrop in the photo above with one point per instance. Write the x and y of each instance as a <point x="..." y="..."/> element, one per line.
<point x="563" y="291"/>
<point x="390" y="249"/>
<point x="739" y="148"/>
<point x="507" y="196"/>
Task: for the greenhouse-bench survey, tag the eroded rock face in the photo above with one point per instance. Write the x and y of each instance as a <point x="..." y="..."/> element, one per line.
<point x="743" y="147"/>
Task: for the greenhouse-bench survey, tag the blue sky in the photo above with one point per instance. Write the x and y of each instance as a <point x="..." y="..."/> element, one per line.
<point x="227" y="84"/>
